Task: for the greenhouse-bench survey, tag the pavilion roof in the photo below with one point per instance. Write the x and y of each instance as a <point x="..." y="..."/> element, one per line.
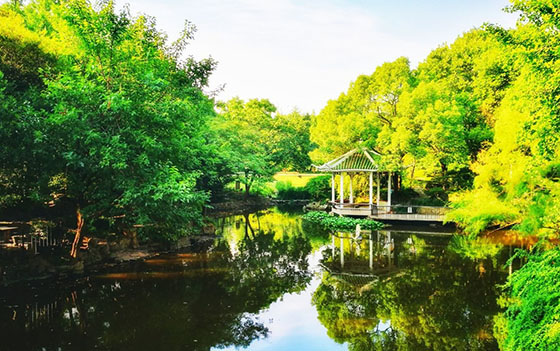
<point x="357" y="160"/>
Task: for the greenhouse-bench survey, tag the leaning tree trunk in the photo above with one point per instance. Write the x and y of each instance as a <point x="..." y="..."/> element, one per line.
<point x="77" y="235"/>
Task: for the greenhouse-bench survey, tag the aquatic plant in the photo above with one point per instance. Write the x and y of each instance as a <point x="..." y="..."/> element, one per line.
<point x="340" y="223"/>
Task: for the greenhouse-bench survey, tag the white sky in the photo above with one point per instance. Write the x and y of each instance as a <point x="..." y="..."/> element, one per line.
<point x="301" y="53"/>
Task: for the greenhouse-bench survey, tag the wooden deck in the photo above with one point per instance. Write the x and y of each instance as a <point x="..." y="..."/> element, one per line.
<point x="392" y="213"/>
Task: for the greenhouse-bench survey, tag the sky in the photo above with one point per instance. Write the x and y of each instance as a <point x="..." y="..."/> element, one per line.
<point x="301" y="53"/>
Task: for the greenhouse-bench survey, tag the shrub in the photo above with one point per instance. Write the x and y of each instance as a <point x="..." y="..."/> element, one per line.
<point x="532" y="320"/>
<point x="319" y="188"/>
<point x="286" y="191"/>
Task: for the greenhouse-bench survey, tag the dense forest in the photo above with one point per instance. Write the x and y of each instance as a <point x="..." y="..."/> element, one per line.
<point x="107" y="124"/>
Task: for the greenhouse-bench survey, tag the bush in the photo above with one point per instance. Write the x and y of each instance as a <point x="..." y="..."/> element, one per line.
<point x="286" y="191"/>
<point x="319" y="188"/>
<point x="436" y="196"/>
<point x="531" y="321"/>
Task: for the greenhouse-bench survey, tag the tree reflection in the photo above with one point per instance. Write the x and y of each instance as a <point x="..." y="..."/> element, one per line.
<point x="347" y="312"/>
<point x="434" y="299"/>
<point x="185" y="302"/>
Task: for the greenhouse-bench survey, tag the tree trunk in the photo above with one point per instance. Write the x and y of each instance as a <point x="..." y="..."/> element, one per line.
<point x="443" y="175"/>
<point x="395" y="181"/>
<point x="79" y="226"/>
<point x="134" y="239"/>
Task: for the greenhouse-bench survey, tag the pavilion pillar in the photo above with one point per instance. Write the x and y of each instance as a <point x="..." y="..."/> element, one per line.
<point x="389" y="191"/>
<point x="333" y="192"/>
<point x="351" y="190"/>
<point x="378" y="198"/>
<point x="341" y="188"/>
<point x="370" y="190"/>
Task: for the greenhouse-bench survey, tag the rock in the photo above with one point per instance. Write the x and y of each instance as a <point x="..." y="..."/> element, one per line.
<point x="182" y="243"/>
<point x="209" y="229"/>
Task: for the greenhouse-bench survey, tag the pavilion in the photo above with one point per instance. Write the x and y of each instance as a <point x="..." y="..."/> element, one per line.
<point x="363" y="160"/>
<point x="359" y="160"/>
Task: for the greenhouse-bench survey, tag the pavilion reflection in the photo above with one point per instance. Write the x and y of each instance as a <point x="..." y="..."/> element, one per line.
<point x="373" y="253"/>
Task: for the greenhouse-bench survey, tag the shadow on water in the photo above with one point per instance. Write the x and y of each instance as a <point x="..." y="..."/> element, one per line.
<point x="376" y="290"/>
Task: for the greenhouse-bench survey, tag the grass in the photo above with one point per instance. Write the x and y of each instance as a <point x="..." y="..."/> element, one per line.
<point x="298" y="180"/>
<point x="295" y="179"/>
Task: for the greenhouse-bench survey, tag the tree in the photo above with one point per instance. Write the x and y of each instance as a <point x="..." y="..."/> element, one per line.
<point x="291" y="141"/>
<point x="518" y="173"/>
<point x="125" y="121"/>
<point x="245" y="131"/>
<point x="531" y="319"/>
<point x="369" y="106"/>
<point x="257" y="142"/>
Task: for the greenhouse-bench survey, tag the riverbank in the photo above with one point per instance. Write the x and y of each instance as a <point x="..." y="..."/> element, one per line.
<point x="20" y="267"/>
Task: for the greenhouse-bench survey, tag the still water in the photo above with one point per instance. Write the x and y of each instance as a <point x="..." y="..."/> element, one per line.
<point x="271" y="282"/>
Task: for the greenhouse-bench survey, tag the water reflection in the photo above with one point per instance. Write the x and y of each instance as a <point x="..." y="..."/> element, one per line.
<point x="182" y="302"/>
<point x="387" y="290"/>
<point x="271" y="282"/>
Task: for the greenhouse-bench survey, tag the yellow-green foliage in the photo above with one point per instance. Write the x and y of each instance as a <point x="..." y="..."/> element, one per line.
<point x="516" y="182"/>
<point x="37" y="25"/>
<point x="477" y="209"/>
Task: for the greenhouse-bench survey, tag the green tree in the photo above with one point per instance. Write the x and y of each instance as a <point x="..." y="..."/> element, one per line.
<point x="531" y="319"/>
<point x="291" y="141"/>
<point x="359" y="115"/>
<point x="257" y="142"/>
<point x="124" y="120"/>
<point x="245" y="131"/>
<point x="518" y="173"/>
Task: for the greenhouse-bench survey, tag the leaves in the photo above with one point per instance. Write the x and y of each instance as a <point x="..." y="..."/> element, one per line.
<point x="122" y="122"/>
<point x="533" y="310"/>
<point x="334" y="223"/>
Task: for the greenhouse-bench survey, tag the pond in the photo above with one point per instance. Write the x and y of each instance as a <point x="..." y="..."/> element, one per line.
<point x="271" y="282"/>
